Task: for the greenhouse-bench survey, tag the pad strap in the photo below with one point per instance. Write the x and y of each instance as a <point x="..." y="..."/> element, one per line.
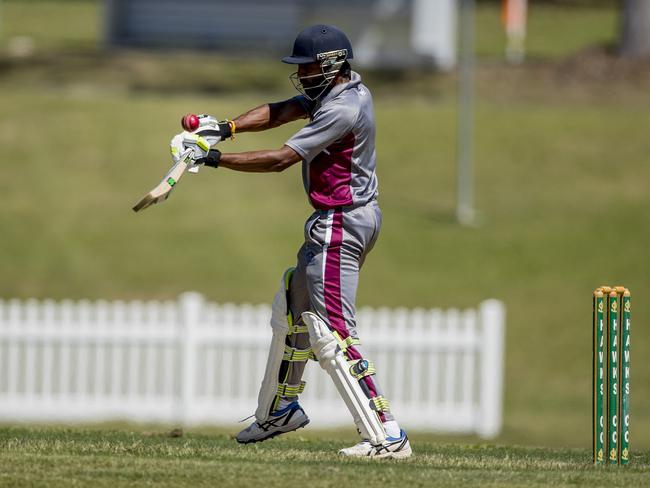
<point x="361" y="368"/>
<point x="380" y="404"/>
<point x="286" y="390"/>
<point x="344" y="344"/>
<point x="293" y="354"/>
<point x="297" y="329"/>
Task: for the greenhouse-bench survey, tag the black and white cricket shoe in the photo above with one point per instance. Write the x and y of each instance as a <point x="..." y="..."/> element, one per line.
<point x="392" y="447"/>
<point x="290" y="418"/>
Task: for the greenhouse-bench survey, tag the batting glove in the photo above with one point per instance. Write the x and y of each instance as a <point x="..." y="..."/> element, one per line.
<point x="226" y="128"/>
<point x="212" y="159"/>
<point x="199" y="142"/>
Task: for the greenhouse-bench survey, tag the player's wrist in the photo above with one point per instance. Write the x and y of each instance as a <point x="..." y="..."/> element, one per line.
<point x="227" y="129"/>
<point x="212" y="159"/>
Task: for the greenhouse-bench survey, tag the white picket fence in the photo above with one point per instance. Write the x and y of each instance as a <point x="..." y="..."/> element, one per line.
<point x="196" y="362"/>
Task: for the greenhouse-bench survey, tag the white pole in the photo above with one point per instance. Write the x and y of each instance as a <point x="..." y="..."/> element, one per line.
<point x="492" y="317"/>
<point x="465" y="138"/>
<point x="190" y="309"/>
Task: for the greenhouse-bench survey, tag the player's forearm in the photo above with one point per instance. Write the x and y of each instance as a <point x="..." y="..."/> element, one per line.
<point x="265" y="161"/>
<point x="254" y="120"/>
<point x="268" y="116"/>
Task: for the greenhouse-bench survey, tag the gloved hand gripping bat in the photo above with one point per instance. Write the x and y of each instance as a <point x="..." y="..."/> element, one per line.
<point x="189" y="151"/>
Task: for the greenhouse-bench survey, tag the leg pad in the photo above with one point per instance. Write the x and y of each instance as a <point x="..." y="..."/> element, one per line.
<point x="282" y="325"/>
<point x="329" y="353"/>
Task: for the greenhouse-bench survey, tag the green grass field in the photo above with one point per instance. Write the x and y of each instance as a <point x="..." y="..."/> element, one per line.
<point x="74" y="457"/>
<point x="561" y="172"/>
<point x="558" y="190"/>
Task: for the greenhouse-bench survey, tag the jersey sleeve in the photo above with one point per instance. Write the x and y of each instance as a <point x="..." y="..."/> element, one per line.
<point x="308" y="106"/>
<point x="328" y="125"/>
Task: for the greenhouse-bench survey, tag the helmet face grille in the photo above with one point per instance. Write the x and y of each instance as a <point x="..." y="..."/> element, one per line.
<point x="314" y="86"/>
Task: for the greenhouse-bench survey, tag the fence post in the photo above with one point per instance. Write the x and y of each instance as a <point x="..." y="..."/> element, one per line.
<point x="492" y="318"/>
<point x="190" y="313"/>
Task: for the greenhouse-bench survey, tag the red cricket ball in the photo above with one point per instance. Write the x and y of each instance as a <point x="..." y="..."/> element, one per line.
<point x="190" y="122"/>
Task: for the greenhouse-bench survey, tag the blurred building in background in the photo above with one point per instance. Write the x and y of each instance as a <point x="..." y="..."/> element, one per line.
<point x="393" y="33"/>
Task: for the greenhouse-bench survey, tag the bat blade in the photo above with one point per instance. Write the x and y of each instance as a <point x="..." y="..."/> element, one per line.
<point x="162" y="191"/>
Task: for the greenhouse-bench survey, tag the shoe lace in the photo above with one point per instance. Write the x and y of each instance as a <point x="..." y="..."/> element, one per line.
<point x="244" y="420"/>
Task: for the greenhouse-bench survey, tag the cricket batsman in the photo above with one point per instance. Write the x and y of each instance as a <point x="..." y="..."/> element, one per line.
<point x="313" y="313"/>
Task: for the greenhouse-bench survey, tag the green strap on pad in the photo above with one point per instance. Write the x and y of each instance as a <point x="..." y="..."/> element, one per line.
<point x="297" y="329"/>
<point x="380" y="404"/>
<point x="344" y="344"/>
<point x="360" y="368"/>
<point x="293" y="354"/>
<point x="286" y="390"/>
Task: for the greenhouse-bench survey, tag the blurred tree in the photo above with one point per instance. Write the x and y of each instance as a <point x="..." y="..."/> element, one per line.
<point x="635" y="28"/>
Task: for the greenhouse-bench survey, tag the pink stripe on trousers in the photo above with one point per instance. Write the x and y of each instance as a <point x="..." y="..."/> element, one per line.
<point x="332" y="293"/>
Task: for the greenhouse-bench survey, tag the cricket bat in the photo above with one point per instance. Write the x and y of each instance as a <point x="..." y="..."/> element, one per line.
<point x="162" y="191"/>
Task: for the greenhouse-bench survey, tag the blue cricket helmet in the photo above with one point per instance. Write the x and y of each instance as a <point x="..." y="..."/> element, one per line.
<point x="323" y="44"/>
<point x="318" y="41"/>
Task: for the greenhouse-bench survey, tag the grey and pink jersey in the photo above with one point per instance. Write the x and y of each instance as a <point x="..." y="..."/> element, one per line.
<point x="338" y="151"/>
<point x="338" y="147"/>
